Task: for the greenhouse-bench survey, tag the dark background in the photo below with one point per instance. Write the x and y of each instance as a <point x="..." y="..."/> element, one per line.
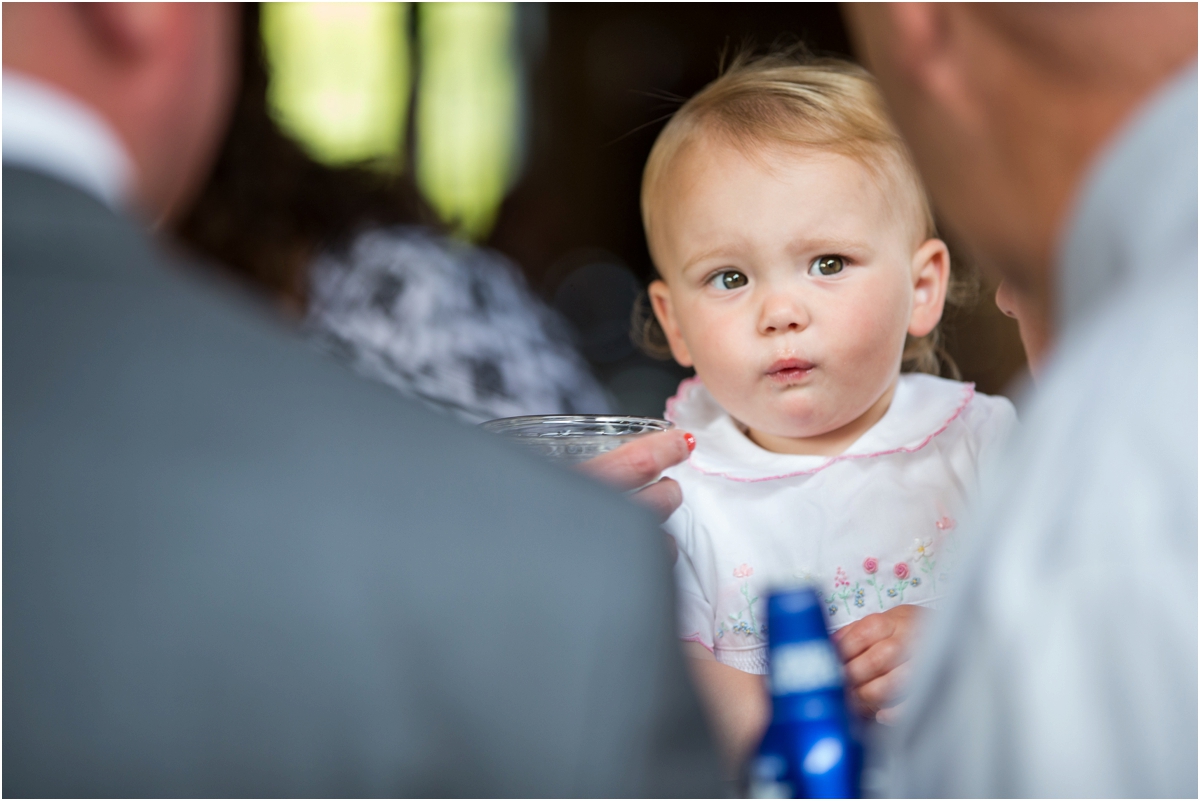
<point x="603" y="79"/>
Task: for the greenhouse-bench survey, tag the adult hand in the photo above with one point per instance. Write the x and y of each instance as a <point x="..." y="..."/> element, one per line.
<point x="875" y="651"/>
<point x="637" y="463"/>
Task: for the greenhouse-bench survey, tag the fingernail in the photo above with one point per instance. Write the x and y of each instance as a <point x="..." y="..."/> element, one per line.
<point x="690" y="440"/>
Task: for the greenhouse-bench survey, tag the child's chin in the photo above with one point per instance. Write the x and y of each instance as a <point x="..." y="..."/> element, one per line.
<point x="794" y="423"/>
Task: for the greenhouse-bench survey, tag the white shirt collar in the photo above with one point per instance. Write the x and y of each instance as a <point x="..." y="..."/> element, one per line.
<point x="922" y="408"/>
<point x="50" y="132"/>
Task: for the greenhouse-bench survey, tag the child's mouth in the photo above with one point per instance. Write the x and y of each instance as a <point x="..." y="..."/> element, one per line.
<point x="787" y="370"/>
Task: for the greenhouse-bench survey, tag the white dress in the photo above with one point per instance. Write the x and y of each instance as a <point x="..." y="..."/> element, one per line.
<point x="869" y="529"/>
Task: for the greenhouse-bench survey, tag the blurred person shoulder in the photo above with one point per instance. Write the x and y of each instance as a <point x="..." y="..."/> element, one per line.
<point x="233" y="568"/>
<point x="381" y="264"/>
<point x="1100" y="492"/>
<point x="449" y="322"/>
<point x="1129" y="266"/>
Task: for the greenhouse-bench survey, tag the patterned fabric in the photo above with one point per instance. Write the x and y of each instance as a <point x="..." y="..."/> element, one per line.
<point x="448" y="323"/>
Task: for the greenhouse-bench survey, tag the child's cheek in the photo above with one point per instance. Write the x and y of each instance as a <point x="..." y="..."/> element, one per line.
<point x="725" y="357"/>
<point x="716" y="336"/>
<point x="872" y="326"/>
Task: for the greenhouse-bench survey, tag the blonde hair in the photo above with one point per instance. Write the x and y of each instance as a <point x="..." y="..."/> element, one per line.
<point x="796" y="100"/>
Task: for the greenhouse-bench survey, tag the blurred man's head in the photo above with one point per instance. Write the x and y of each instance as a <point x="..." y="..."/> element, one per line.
<point x="161" y="74"/>
<point x="1006" y="105"/>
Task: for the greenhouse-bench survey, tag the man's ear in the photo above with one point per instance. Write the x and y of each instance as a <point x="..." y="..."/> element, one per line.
<point x="921" y="43"/>
<point x="940" y="44"/>
<point x="931" y="279"/>
<point x="660" y="301"/>
<point x="127" y="30"/>
<point x="900" y="36"/>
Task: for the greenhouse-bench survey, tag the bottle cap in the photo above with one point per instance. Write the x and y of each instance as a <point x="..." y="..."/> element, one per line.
<point x="795" y="616"/>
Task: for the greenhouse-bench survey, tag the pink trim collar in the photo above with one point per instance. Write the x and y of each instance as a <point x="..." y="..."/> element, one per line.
<point x="968" y="394"/>
<point x="684" y="386"/>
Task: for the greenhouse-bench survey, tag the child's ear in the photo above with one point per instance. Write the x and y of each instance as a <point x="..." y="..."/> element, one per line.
<point x="660" y="301"/>
<point x="931" y="278"/>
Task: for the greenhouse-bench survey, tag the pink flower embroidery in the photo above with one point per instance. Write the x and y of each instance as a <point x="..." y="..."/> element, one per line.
<point x="743" y="571"/>
<point x="901" y="570"/>
<point x="946" y="523"/>
<point x="840" y="579"/>
<point x="870" y="564"/>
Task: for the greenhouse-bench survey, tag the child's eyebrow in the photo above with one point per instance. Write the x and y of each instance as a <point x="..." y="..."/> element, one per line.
<point x="827" y="245"/>
<point x="815" y="245"/>
<point x="724" y="251"/>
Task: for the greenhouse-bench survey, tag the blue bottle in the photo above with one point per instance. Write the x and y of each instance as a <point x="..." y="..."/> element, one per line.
<point x="809" y="750"/>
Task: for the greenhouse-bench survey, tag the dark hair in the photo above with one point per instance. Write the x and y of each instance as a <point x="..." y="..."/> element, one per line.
<point x="268" y="207"/>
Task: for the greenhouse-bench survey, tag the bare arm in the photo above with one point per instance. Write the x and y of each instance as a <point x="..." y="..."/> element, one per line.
<point x="737" y="704"/>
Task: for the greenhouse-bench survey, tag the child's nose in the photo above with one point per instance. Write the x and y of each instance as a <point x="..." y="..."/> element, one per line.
<point x="782" y="314"/>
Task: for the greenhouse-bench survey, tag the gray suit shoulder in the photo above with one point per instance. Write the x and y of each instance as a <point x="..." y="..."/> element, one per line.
<point x="232" y="568"/>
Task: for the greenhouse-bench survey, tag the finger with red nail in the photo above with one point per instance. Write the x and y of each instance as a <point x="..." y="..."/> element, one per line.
<point x="637" y="463"/>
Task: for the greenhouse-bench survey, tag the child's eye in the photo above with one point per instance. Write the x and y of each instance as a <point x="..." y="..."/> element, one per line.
<point x="827" y="265"/>
<point x="729" y="279"/>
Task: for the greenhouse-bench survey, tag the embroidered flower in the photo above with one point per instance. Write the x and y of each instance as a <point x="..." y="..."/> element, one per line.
<point x="743" y="571"/>
<point x="832" y="610"/>
<point x="901" y="570"/>
<point x="839" y="578"/>
<point x="946" y="523"/>
<point x="870" y="564"/>
<point x="859" y="600"/>
<point x="742" y="627"/>
<point x="915" y="581"/>
<point x="891" y="592"/>
<point x="923" y="549"/>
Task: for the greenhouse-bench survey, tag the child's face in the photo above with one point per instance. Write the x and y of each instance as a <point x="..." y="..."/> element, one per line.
<point x="790" y="283"/>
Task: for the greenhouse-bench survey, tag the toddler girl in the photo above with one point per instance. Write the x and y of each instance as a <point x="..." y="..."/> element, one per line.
<point x="801" y="277"/>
